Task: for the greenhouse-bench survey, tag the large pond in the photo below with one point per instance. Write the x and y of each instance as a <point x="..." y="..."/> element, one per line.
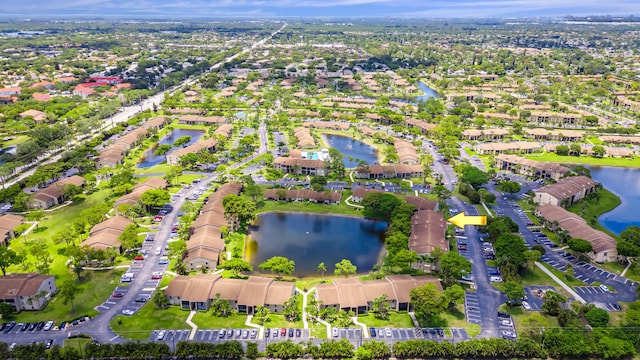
<point x="310" y="239"/>
<point x="350" y="147"/>
<point x="150" y="159"/>
<point x="624" y="182"/>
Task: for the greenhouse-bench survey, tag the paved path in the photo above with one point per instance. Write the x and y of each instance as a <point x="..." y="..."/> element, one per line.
<point x="194" y="327"/>
<point x="561" y="283"/>
<point x="304" y="307"/>
<point x="365" y="332"/>
<point x="346" y="201"/>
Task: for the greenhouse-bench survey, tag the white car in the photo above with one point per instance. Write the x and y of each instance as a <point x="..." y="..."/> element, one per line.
<point x="506" y="322"/>
<point x="495" y="279"/>
<point x="128" y="312"/>
<point x="387" y="332"/>
<point x="509" y="335"/>
<point x="161" y="335"/>
<point x="526" y="305"/>
<point x="48" y="326"/>
<point x="604" y="288"/>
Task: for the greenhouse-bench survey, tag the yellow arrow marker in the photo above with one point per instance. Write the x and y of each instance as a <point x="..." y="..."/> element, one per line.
<point x="460" y="220"/>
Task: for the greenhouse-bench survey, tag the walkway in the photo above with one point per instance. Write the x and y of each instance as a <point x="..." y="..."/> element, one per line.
<point x="561" y="283"/>
<point x="194" y="327"/>
<point x="304" y="307"/>
<point x="411" y="184"/>
<point x="260" y="328"/>
<point x="627" y="268"/>
<point x="365" y="332"/>
<point x="346" y="201"/>
<point x="326" y="324"/>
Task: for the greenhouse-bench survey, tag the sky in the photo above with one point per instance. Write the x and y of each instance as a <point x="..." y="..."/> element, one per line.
<point x="318" y="8"/>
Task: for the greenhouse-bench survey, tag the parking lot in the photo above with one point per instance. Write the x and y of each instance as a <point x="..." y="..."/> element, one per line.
<point x="534" y="296"/>
<point x="472" y="308"/>
<point x="598" y="296"/>
<point x="386" y="333"/>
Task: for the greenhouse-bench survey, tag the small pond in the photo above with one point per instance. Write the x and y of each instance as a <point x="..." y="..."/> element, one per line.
<point x="624" y="182"/>
<point x="151" y="160"/>
<point x="428" y="92"/>
<point x="350" y="147"/>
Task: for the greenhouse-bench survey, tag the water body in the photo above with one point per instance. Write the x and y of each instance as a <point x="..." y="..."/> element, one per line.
<point x="151" y="160"/>
<point x="624" y="182"/>
<point x="428" y="92"/>
<point x="349" y="146"/>
<point x="309" y="239"/>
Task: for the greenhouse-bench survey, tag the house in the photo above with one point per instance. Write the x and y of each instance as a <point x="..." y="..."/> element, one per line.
<point x="536" y="169"/>
<point x="37" y="115"/>
<point x="555" y="217"/>
<point x="200" y="120"/>
<point x="206" y="243"/>
<point x="156" y="123"/>
<point x="111" y="156"/>
<point x="132" y="138"/>
<point x="351" y="294"/>
<point x="428" y="232"/>
<point x="325" y="197"/>
<point x="54" y="194"/>
<point x="105" y="235"/>
<point x="305" y="140"/>
<point x="566" y="192"/>
<point x="407" y="153"/>
<point x="300" y="166"/>
<point x="485" y="134"/>
<point x="425" y="127"/>
<point x="197" y="292"/>
<point x="8" y="91"/>
<point x="27" y="291"/>
<point x="8" y="223"/>
<point x="209" y="145"/>
<point x="513" y="147"/>
<point x="402" y="171"/>
<point x="139" y="189"/>
<point x="553" y="135"/>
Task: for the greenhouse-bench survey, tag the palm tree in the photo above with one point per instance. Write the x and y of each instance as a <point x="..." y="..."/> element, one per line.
<point x="322" y="268"/>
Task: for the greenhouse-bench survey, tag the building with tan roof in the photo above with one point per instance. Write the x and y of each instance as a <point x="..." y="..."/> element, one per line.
<point x="197" y="292"/>
<point x="134" y="196"/>
<point x="54" y="194"/>
<point x="351" y="294"/>
<point x="8" y="223"/>
<point x="174" y="157"/>
<point x="484" y="134"/>
<point x="300" y="166"/>
<point x="201" y="120"/>
<point x="325" y="197"/>
<point x="37" y="115"/>
<point x="305" y="140"/>
<point x="535" y="169"/>
<point x="425" y="127"/>
<point x="105" y="235"/>
<point x="566" y="192"/>
<point x="27" y="291"/>
<point x="604" y="246"/>
<point x="402" y="171"/>
<point x="510" y="147"/>
<point x="553" y="134"/>
<point x="428" y="232"/>
<point x="407" y="153"/>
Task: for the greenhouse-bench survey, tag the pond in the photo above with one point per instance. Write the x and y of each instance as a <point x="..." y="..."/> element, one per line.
<point x="150" y="160"/>
<point x="624" y="182"/>
<point x="428" y="92"/>
<point x="349" y="146"/>
<point x="309" y="239"/>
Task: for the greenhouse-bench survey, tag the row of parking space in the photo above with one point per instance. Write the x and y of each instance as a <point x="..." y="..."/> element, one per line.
<point x="472" y="308"/>
<point x="555" y="264"/>
<point x="387" y="333"/>
<point x="598" y="271"/>
<point x="170" y="336"/>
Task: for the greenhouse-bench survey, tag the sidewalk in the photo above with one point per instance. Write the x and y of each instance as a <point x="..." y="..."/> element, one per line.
<point x="561" y="283"/>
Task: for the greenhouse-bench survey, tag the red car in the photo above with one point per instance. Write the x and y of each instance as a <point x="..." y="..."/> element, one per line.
<point x="139" y="257"/>
<point x="117" y="295"/>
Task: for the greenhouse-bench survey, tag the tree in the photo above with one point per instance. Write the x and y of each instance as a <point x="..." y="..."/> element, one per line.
<point x="252" y="351"/>
<point x="159" y="300"/>
<point x="345" y="267"/>
<point x="322" y="268"/>
<point x="6" y="311"/>
<point x="597" y="317"/>
<point x="510" y="249"/>
<point x="514" y="292"/>
<point x="155" y="198"/>
<point x="291" y="309"/>
<point x="238" y="210"/>
<point x="562" y="150"/>
<point x="534" y="323"/>
<point x="189" y="160"/>
<point x="404" y="258"/>
<point x="451" y="296"/>
<point x="183" y="140"/>
<point x="510" y="187"/>
<point x="426" y="300"/>
<point x="474" y="176"/>
<point x="552" y="302"/>
<point x="580" y="246"/>
<point x="68" y="292"/>
<point x="373" y="350"/>
<point x="236" y="266"/>
<point x="531" y="256"/>
<point x="254" y="191"/>
<point x="318" y="183"/>
<point x="598" y="151"/>
<point x="380" y="205"/>
<point x="261" y="313"/>
<point x="381" y="307"/>
<point x="335" y="163"/>
<point x="452" y="267"/>
<point x="8" y="257"/>
<point x="129" y="237"/>
<point x="279" y="265"/>
<point x="221" y="307"/>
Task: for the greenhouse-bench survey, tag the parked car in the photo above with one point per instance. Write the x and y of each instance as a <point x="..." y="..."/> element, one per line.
<point x="141" y="299"/>
<point x="290" y="332"/>
<point x="373" y="332"/>
<point x="161" y="335"/>
<point x="387" y="332"/>
<point x="245" y="334"/>
<point x="283" y="332"/>
<point x="222" y="333"/>
<point x="526" y="306"/>
<point x="156" y="275"/>
<point x="48" y="326"/>
<point x="604" y="288"/>
<point x="508" y="335"/>
<point x="298" y="332"/>
<point x="117" y="295"/>
<point x="335" y="332"/>
<point x="506" y="322"/>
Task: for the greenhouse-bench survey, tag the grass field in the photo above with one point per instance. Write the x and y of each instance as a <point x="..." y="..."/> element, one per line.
<point x="588" y="160"/>
<point x="278" y="321"/>
<point x="453" y="318"/>
<point x="308" y="207"/>
<point x="396" y="319"/>
<point x="206" y="320"/>
<point x="77" y="343"/>
<point x="140" y="325"/>
<point x="591" y="210"/>
<point x="96" y="287"/>
<point x="536" y="277"/>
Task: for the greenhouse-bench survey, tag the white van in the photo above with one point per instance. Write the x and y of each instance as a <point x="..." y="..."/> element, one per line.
<point x="158" y="250"/>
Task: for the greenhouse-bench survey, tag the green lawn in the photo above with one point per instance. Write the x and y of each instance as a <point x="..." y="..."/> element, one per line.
<point x="15" y="141"/>
<point x="454" y="319"/>
<point x="591" y="210"/>
<point x="140" y="325"/>
<point x="156" y="169"/>
<point x="206" y="320"/>
<point x="536" y="277"/>
<point x="278" y="321"/>
<point x="304" y="206"/>
<point x="572" y="282"/>
<point x="77" y="343"/>
<point x="96" y="287"/>
<point x="318" y="331"/>
<point x="396" y="319"/>
<point x="551" y="157"/>
<point x="518" y="314"/>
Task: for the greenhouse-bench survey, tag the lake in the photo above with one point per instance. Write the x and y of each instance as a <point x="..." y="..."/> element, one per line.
<point x="151" y="160"/>
<point x="624" y="182"/>
<point x="428" y="92"/>
<point x="310" y="238"/>
<point x="349" y="146"/>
